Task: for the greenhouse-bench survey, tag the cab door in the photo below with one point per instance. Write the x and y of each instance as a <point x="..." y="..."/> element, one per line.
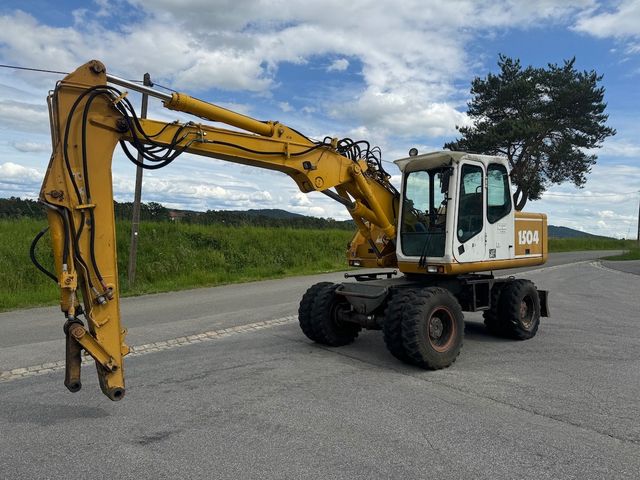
<point x="499" y="226"/>
<point x="469" y="236"/>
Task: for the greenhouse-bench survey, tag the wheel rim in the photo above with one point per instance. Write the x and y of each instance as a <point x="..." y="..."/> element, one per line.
<point x="526" y="312"/>
<point x="337" y="310"/>
<point x="441" y="329"/>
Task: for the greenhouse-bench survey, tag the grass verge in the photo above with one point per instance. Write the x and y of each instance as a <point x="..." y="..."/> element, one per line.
<point x="631" y="254"/>
<point x="174" y="257"/>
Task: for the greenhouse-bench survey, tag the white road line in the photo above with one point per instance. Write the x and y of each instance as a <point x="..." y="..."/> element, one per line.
<point x="599" y="265"/>
<point x="18" y="373"/>
<point x="545" y="269"/>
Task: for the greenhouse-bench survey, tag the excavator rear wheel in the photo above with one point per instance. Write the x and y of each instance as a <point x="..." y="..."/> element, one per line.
<point x="519" y="310"/>
<point x="304" y="310"/>
<point x="432" y="328"/>
<point x="326" y="318"/>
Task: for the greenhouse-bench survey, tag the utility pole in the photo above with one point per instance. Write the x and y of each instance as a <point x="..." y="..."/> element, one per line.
<point x="135" y="220"/>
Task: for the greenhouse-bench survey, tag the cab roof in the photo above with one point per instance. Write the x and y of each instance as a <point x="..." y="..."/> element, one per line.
<point x="443" y="158"/>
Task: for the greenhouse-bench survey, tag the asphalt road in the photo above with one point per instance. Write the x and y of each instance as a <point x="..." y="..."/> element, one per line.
<point x="34" y="336"/>
<point x="266" y="403"/>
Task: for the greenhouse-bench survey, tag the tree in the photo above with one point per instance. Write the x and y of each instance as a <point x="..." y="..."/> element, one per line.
<point x="546" y="121"/>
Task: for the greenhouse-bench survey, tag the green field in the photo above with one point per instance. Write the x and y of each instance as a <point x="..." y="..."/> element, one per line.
<point x="178" y="256"/>
<point x="175" y="256"/>
<point x="588" y="243"/>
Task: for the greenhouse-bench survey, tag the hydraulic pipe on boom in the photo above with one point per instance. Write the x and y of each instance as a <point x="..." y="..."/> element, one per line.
<point x="89" y="118"/>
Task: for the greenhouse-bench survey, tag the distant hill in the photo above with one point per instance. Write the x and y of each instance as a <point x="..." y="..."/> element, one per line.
<point x="15" y="208"/>
<point x="565" y="232"/>
<point x="269" y="217"/>
<point x="273" y="213"/>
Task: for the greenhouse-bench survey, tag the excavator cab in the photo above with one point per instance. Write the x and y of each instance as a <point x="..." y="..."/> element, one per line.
<point x="457" y="216"/>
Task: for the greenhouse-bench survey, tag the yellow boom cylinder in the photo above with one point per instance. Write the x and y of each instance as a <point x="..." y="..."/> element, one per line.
<point x="188" y="104"/>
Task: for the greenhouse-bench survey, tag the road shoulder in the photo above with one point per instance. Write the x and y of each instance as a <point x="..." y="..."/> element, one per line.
<point x="627" y="266"/>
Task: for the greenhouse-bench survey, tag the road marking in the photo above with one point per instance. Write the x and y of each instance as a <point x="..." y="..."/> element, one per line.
<point x="598" y="264"/>
<point x="44" y="368"/>
<point x="544" y="269"/>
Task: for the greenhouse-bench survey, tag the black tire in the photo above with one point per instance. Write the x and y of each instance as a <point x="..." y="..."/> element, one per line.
<point x="392" y="324"/>
<point x="327" y="328"/>
<point x="491" y="317"/>
<point x="432" y="328"/>
<point x="304" y="310"/>
<point x="519" y="310"/>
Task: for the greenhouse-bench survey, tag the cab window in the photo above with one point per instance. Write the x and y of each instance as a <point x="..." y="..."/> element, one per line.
<point x="498" y="194"/>
<point x="470" y="216"/>
<point x="424" y="212"/>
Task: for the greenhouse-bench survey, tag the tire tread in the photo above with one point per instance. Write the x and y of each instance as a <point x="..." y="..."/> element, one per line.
<point x="420" y="304"/>
<point x="305" y="307"/>
<point x="325" y="330"/>
<point x="509" y="309"/>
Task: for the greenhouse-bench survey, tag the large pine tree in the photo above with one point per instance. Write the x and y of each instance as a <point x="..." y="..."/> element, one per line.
<point x="546" y="121"/>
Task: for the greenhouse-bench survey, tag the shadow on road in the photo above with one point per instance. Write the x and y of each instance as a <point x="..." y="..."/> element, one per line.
<point x="477" y="332"/>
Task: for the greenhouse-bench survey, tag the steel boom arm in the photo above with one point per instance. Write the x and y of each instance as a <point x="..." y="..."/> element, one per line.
<point x="89" y="118"/>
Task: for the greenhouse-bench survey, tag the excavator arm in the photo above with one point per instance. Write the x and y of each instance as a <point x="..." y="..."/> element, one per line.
<point x="89" y="117"/>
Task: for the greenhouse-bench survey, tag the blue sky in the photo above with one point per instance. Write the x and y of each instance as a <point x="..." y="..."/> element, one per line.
<point x="398" y="77"/>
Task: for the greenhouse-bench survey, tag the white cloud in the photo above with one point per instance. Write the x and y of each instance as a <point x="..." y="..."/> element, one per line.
<point x="306" y="204"/>
<point x="106" y="8"/>
<point x="402" y="115"/>
<point x="339" y="65"/>
<point x="185" y="187"/>
<point x="19" y="181"/>
<point x="622" y="22"/>
<point x="607" y="205"/>
<point x="299" y="200"/>
<point x="226" y="69"/>
<point x="312" y="211"/>
<point x="411" y="57"/>
<point x="34" y="147"/>
<point x="13" y="172"/>
<point x="285" y="106"/>
<point x="618" y="148"/>
<point x="23" y="116"/>
<point x="610" y="214"/>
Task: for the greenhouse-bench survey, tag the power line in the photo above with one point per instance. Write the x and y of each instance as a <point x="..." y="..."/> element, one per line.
<point x="166" y="88"/>
<point x="15" y="67"/>
<point x="42" y="70"/>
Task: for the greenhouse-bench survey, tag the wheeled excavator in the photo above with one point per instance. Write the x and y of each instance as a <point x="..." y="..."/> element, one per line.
<point x="451" y="225"/>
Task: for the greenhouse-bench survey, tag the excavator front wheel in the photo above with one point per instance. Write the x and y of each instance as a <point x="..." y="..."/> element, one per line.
<point x="432" y="328"/>
<point x="392" y="324"/>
